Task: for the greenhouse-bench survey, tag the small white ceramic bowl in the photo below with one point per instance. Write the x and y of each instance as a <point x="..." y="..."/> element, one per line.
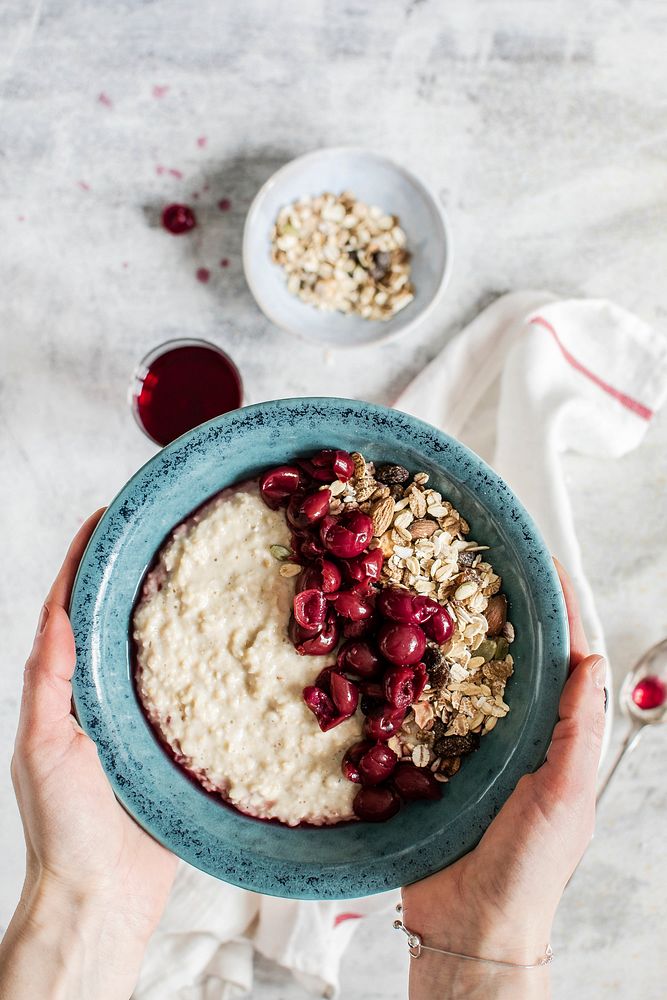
<point x="372" y="178"/>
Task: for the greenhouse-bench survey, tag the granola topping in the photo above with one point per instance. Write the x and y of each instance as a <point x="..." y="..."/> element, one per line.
<point x="427" y="550"/>
<point x="339" y="253"/>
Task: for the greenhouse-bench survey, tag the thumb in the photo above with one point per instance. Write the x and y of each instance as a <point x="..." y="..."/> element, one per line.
<point x="570" y="770"/>
<point x="47" y="691"/>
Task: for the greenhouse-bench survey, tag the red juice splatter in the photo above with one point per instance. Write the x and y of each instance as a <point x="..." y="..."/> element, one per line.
<point x="21" y="218"/>
<point x="201" y="141"/>
<point x="124" y="264"/>
<point x="159" y="90"/>
<point x="202" y="274"/>
<point x="105" y="100"/>
<point x="224" y="205"/>
<point x="159" y="169"/>
<point x="83" y="185"/>
<point x="224" y="262"/>
<point x="205" y="187"/>
<point x="195" y="195"/>
<point x="184" y="387"/>
<point x="176" y="173"/>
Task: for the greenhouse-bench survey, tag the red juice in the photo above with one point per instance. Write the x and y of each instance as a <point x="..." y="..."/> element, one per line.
<point x="182" y="384"/>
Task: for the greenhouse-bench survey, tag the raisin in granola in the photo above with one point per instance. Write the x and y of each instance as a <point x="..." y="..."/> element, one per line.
<point x="450" y="766"/>
<point x="392" y="474"/>
<point x="437" y="667"/>
<point x="455" y="746"/>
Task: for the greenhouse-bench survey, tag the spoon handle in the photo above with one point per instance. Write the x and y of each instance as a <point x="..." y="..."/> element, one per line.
<point x="628" y="744"/>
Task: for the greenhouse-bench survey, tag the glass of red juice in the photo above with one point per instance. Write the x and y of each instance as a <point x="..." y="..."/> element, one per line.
<point x="181" y="384"/>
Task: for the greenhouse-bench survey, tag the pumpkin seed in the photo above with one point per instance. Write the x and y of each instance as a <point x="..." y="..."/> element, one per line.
<point x="280" y="553"/>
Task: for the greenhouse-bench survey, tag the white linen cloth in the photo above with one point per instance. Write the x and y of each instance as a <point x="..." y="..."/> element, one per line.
<point x="203" y="947"/>
<point x="529" y="379"/>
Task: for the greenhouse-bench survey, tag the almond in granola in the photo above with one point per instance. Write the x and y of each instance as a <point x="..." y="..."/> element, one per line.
<point x="496" y="615"/>
<point x="382" y="514"/>
<point x="423" y="528"/>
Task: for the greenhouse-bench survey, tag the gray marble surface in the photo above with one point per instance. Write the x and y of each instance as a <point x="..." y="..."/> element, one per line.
<point x="540" y="124"/>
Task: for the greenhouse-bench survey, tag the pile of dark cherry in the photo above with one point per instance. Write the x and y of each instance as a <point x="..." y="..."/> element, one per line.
<point x="385" y="630"/>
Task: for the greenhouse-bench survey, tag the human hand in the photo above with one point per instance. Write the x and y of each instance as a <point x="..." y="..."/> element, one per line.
<point x="499" y="901"/>
<point x="89" y="867"/>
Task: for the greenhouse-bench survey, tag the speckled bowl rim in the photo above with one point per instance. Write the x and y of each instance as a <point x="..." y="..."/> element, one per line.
<point x="295" y="878"/>
<point x="331" y="152"/>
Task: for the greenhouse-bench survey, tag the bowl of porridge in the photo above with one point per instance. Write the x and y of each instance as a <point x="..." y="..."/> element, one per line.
<point x="318" y="642"/>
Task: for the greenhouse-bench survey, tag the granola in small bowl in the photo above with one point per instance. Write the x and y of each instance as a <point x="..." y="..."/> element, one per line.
<point x="338" y="253"/>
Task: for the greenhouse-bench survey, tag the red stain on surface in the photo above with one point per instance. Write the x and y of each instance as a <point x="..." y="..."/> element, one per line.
<point x="124" y="263"/>
<point x="346" y="916"/>
<point x="224" y="204"/>
<point x="83" y="185"/>
<point x="159" y="90"/>
<point x="160" y="170"/>
<point x="195" y="195"/>
<point x="201" y="141"/>
<point x="203" y="274"/>
<point x="205" y="187"/>
<point x="105" y="100"/>
<point x="21" y="218"/>
<point x="224" y="262"/>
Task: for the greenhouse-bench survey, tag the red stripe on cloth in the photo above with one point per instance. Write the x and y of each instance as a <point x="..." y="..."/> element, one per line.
<point x="628" y="401"/>
<point x="347" y="916"/>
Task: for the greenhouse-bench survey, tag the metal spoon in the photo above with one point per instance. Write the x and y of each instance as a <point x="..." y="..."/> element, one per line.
<point x="652" y="664"/>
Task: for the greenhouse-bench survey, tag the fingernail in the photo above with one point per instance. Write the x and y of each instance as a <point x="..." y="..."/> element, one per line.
<point x="43" y="618"/>
<point x="599" y="672"/>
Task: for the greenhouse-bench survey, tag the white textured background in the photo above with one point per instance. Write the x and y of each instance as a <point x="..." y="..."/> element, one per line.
<point x="542" y="126"/>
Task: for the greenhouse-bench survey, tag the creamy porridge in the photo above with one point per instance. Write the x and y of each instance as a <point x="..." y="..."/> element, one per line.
<point x="219" y="677"/>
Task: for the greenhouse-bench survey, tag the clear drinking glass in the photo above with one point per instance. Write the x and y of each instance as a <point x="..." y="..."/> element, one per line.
<point x="180" y="384"/>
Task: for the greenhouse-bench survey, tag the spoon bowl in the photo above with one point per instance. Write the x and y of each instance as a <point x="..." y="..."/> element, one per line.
<point x="652" y="665"/>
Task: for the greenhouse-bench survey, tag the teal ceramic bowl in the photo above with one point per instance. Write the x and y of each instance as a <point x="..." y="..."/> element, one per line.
<point x="354" y="859"/>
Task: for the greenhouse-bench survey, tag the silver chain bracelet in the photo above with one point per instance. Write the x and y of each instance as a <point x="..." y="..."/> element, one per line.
<point x="416" y="947"/>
